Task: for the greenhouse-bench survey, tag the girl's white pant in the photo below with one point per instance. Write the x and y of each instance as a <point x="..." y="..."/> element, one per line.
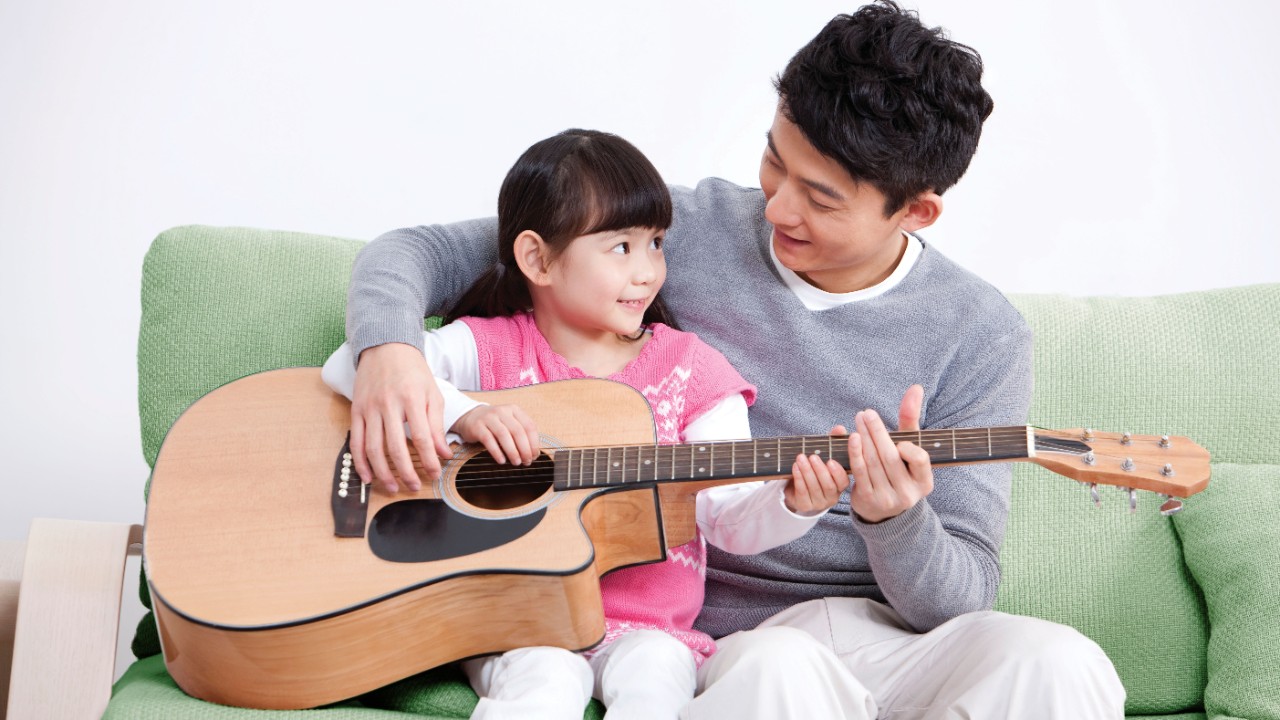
<point x="833" y="658"/>
<point x="643" y="675"/>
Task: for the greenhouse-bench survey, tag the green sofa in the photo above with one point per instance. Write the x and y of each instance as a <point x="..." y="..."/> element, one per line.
<point x="1188" y="607"/>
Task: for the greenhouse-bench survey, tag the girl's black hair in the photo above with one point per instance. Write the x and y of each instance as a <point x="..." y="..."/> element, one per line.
<point x="576" y="183"/>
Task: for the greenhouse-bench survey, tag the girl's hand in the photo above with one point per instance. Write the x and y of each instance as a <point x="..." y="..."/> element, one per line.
<point x="815" y="485"/>
<point x="505" y="431"/>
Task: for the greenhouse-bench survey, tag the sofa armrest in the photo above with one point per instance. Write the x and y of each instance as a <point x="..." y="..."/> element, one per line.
<point x="68" y="618"/>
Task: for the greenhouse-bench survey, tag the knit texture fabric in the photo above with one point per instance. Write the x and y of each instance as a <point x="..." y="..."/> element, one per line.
<point x="682" y="378"/>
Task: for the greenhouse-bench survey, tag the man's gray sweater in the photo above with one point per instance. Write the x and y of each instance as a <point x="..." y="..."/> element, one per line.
<point x="941" y="326"/>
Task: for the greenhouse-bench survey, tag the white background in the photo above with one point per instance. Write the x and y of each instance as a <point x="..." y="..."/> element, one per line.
<point x="1133" y="151"/>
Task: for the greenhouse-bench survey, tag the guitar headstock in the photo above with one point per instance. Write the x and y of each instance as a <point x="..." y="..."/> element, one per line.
<point x="1173" y="466"/>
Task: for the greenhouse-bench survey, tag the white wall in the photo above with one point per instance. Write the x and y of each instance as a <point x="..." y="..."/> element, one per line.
<point x="1132" y="151"/>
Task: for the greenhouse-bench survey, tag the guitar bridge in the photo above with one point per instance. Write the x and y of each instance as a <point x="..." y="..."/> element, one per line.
<point x="348" y="496"/>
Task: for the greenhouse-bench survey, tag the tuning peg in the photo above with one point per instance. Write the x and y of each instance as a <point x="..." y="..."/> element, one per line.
<point x="1093" y="493"/>
<point x="1127" y="465"/>
<point x="1126" y="439"/>
<point x="1165" y="441"/>
<point x="1089" y="458"/>
<point x="1087" y="434"/>
<point x="1167" y="470"/>
<point x="1171" y="506"/>
<point x="1133" y="499"/>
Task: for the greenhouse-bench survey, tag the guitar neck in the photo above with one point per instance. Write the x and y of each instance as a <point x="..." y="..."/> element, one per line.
<point x="599" y="467"/>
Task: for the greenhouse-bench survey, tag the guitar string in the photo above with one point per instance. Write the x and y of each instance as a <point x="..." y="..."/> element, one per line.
<point x="484" y="469"/>
<point x="480" y="465"/>
<point x="788" y="447"/>
<point x="547" y="479"/>
<point x="544" y="477"/>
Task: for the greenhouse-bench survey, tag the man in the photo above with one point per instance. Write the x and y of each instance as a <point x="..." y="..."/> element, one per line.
<point x="817" y="289"/>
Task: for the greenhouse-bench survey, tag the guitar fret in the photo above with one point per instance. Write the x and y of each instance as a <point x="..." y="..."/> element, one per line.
<point x="628" y="465"/>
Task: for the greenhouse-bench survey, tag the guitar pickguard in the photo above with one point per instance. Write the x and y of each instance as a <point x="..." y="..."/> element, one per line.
<point x="414" y="531"/>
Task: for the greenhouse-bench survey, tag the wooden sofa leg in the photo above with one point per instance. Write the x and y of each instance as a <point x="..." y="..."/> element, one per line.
<point x="68" y="618"/>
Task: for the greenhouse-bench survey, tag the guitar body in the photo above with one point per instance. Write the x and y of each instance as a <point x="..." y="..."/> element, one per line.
<point x="260" y="604"/>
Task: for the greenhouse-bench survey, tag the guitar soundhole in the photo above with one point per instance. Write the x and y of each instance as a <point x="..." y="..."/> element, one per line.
<point x="488" y="485"/>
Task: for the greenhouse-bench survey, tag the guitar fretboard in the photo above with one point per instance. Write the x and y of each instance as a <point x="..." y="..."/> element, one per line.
<point x="596" y="467"/>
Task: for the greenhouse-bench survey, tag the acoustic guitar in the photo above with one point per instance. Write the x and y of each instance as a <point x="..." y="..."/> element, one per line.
<point x="282" y="581"/>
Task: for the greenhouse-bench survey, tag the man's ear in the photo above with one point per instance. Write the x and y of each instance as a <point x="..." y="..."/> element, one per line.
<point x="922" y="211"/>
<point x="533" y="257"/>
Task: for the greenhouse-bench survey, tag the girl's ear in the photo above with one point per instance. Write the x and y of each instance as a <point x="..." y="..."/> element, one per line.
<point x="533" y="257"/>
<point x="922" y="211"/>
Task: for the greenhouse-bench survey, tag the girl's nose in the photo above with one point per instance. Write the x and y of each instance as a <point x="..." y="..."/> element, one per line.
<point x="644" y="268"/>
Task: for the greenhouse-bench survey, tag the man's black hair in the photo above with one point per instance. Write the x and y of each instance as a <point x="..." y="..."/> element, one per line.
<point x="898" y="105"/>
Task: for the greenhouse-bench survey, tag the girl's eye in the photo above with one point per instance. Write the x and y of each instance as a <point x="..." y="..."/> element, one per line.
<point x="656" y="243"/>
<point x="621" y="248"/>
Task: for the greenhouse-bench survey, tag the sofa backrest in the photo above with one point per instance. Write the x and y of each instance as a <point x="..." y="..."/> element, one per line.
<point x="1174" y="601"/>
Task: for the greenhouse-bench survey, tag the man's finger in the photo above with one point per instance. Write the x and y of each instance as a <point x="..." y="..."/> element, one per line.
<point x="419" y="429"/>
<point x="435" y="416"/>
<point x="871" y="450"/>
<point x="886" y="449"/>
<point x="376" y="455"/>
<point x="909" y="410"/>
<point x="398" y="449"/>
<point x="858" y="467"/>
<point x="918" y="464"/>
<point x="357" y="448"/>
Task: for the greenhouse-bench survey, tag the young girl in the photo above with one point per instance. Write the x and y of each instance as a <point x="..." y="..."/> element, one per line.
<point x="581" y="217"/>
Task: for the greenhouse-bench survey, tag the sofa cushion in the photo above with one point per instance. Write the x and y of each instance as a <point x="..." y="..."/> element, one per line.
<point x="1190" y="364"/>
<point x="146" y="692"/>
<point x="1230" y="543"/>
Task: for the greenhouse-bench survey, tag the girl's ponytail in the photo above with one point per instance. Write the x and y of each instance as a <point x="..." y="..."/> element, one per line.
<point x="500" y="291"/>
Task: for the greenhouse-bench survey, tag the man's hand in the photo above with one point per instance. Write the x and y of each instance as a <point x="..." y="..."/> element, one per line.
<point x="505" y="431"/>
<point x="889" y="479"/>
<point x="394" y="386"/>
